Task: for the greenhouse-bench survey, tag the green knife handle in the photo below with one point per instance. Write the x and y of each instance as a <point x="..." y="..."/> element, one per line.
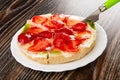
<point x="110" y="3"/>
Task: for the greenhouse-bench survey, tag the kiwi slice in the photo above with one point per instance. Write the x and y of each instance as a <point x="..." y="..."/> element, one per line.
<point x="92" y="25"/>
<point x="55" y="52"/>
<point x="45" y="52"/>
<point x="25" y="28"/>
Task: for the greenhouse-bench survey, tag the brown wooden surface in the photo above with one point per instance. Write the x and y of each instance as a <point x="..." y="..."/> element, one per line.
<point x="13" y="15"/>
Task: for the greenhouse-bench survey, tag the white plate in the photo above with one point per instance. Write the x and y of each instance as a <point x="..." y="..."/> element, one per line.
<point x="96" y="52"/>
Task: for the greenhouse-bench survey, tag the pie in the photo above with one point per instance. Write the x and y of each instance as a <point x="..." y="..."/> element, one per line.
<point x="56" y="38"/>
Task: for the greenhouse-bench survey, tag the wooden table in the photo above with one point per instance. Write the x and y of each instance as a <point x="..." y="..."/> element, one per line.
<point x="13" y="15"/>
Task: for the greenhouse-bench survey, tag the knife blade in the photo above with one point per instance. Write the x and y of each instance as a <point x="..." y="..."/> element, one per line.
<point x="95" y="15"/>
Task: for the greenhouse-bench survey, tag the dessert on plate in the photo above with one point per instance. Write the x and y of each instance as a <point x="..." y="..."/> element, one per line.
<point x="56" y="38"/>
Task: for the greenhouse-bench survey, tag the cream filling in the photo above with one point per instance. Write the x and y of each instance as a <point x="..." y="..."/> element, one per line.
<point x="38" y="55"/>
<point x="67" y="54"/>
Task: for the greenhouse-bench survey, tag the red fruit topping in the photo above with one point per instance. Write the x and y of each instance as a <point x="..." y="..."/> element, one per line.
<point x="70" y="48"/>
<point x="73" y="46"/>
<point x="61" y="39"/>
<point x="79" y="26"/>
<point x="52" y="24"/>
<point x="49" y="24"/>
<point x="65" y="30"/>
<point x="34" y="30"/>
<point x="59" y="17"/>
<point x="77" y="42"/>
<point x="40" y="45"/>
<point x="65" y="20"/>
<point x="71" y="22"/>
<point x="46" y="34"/>
<point x="55" y="17"/>
<point x="83" y="33"/>
<point x="25" y="38"/>
<point x="63" y="42"/>
<point x="39" y="19"/>
<point x="57" y="24"/>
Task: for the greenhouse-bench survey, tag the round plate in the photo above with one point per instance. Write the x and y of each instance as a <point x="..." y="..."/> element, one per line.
<point x="96" y="52"/>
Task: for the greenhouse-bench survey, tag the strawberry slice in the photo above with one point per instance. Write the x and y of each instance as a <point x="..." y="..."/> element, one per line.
<point x="49" y="24"/>
<point x="46" y="34"/>
<point x="81" y="26"/>
<point x="52" y="24"/>
<point x="65" y="30"/>
<point x="59" y="17"/>
<point x="73" y="46"/>
<point x="71" y="22"/>
<point x="65" y="20"/>
<point x="69" y="48"/>
<point x="57" y="24"/>
<point x="24" y="38"/>
<point x="39" y="45"/>
<point x="34" y="30"/>
<point x="63" y="42"/>
<point x="61" y="39"/>
<point x="77" y="42"/>
<point x="38" y="19"/>
<point x="83" y="34"/>
<point x="55" y="17"/>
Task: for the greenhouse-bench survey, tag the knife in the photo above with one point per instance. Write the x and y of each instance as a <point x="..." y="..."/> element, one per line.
<point x="95" y="15"/>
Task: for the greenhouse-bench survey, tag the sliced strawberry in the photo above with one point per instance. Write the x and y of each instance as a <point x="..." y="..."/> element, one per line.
<point x="65" y="20"/>
<point x="46" y="34"/>
<point x="81" y="26"/>
<point x="83" y="40"/>
<point x="63" y="42"/>
<point x="60" y="17"/>
<point x="61" y="39"/>
<point x="52" y="24"/>
<point x="73" y="46"/>
<point x="55" y="17"/>
<point x="49" y="24"/>
<point x="24" y="38"/>
<point x="71" y="22"/>
<point x="77" y="41"/>
<point x="34" y="30"/>
<point x="83" y="34"/>
<point x="57" y="24"/>
<point x="39" y="45"/>
<point x="69" y="48"/>
<point x="39" y="19"/>
<point x="65" y="30"/>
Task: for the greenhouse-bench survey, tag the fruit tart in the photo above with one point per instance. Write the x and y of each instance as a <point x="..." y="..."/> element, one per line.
<point x="56" y="38"/>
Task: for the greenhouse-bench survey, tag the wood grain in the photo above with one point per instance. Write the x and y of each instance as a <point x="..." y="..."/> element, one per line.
<point x="13" y="15"/>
